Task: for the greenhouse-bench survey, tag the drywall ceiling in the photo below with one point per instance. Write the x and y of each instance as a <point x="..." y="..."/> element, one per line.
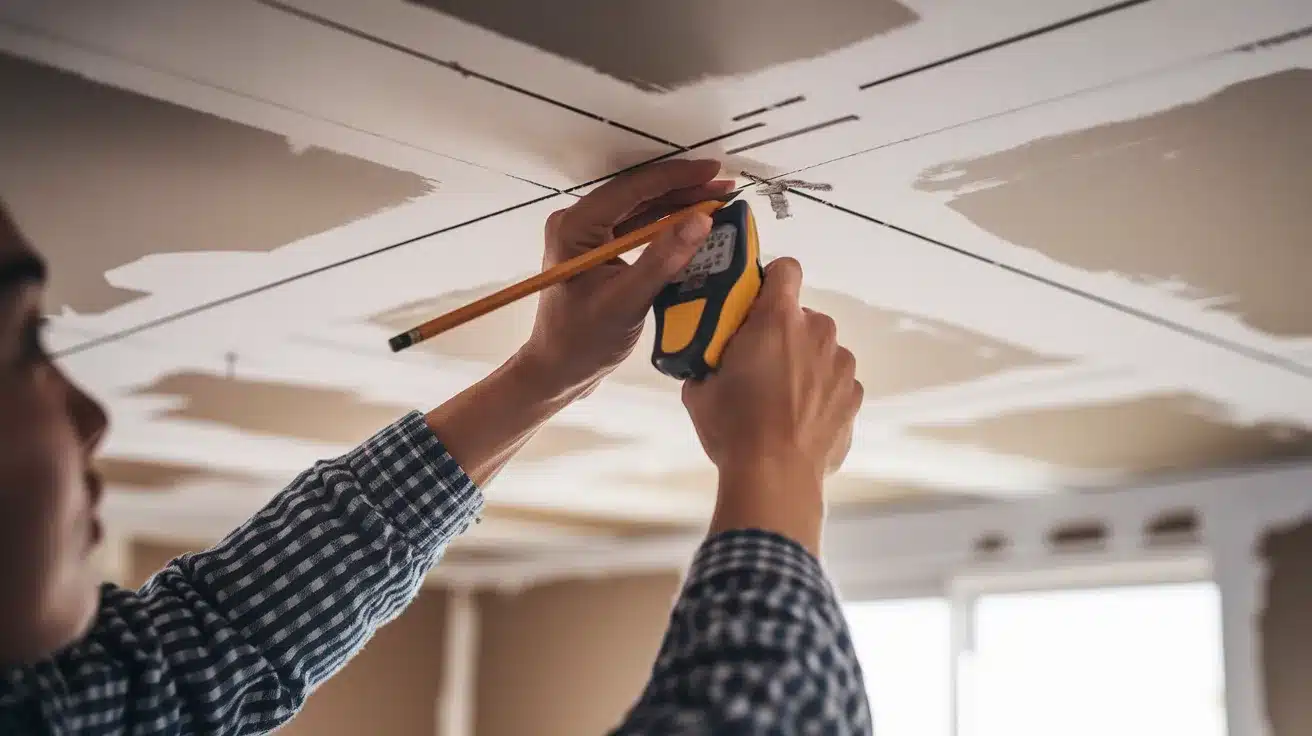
<point x="1064" y="239"/>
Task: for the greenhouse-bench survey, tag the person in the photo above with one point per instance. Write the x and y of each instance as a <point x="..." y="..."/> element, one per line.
<point x="234" y="639"/>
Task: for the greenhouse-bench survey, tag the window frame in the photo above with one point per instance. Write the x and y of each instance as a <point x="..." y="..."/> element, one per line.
<point x="962" y="585"/>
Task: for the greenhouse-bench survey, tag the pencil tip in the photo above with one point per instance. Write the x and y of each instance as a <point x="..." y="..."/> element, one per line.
<point x="400" y="342"/>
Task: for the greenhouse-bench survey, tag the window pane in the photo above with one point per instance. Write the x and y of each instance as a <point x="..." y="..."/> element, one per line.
<point x="905" y="651"/>
<point x="1129" y="661"/>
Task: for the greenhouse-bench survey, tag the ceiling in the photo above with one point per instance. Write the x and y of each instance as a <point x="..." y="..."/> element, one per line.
<point x="1067" y="239"/>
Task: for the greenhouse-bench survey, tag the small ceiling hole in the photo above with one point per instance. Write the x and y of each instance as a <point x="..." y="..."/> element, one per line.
<point x="1079" y="535"/>
<point x="992" y="544"/>
<point x="1178" y="526"/>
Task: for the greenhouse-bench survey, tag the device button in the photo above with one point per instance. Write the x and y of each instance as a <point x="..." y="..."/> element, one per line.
<point x="680" y="325"/>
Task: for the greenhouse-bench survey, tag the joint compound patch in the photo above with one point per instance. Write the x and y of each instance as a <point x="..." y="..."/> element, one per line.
<point x="659" y="47"/>
<point x="775" y="191"/>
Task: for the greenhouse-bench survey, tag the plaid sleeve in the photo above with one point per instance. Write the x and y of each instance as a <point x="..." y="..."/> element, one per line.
<point x="757" y="644"/>
<point x="233" y="639"/>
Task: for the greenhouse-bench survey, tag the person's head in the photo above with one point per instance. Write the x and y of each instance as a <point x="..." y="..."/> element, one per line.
<point x="49" y="493"/>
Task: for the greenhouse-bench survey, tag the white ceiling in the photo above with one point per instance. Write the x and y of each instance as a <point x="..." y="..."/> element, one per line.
<point x="1043" y="239"/>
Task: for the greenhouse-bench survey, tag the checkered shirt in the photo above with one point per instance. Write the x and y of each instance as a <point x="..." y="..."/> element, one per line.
<point x="232" y="640"/>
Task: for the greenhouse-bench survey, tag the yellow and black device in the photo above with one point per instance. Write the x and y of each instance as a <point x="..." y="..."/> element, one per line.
<point x="706" y="302"/>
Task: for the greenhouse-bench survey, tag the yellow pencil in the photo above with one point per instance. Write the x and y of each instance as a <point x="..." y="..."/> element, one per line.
<point x="554" y="275"/>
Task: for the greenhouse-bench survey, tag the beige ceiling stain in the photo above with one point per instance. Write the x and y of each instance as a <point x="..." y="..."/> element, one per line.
<point x="496" y="336"/>
<point x="467" y="555"/>
<point x="895" y="352"/>
<point x="99" y="177"/>
<point x="325" y="414"/>
<point x="156" y="476"/>
<point x="269" y="408"/>
<point x="558" y="440"/>
<point x="584" y="524"/>
<point x="715" y="38"/>
<point x="684" y="480"/>
<point x="898" y="353"/>
<point x="842" y="489"/>
<point x="1169" y="433"/>
<point x="856" y="490"/>
<point x="1213" y="195"/>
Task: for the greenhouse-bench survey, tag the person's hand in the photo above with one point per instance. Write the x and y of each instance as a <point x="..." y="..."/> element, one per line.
<point x="586" y="326"/>
<point x="777" y="415"/>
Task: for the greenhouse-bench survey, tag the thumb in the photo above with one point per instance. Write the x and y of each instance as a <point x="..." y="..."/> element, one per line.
<point x="662" y="260"/>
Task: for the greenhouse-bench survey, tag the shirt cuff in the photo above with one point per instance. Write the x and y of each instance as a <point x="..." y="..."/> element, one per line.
<point x="415" y="484"/>
<point x="755" y="550"/>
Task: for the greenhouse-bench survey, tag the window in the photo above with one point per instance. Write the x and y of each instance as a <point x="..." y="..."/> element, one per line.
<point x="1142" y="660"/>
<point x="1131" y="661"/>
<point x="906" y="656"/>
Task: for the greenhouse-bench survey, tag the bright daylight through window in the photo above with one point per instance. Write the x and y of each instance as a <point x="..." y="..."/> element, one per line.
<point x="1129" y="661"/>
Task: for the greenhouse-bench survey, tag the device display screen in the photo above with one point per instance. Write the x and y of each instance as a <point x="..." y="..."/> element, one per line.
<point x="715" y="255"/>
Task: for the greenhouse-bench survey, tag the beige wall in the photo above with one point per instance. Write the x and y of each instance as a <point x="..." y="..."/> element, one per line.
<point x="568" y="658"/>
<point x="390" y="687"/>
<point x="1286" y="625"/>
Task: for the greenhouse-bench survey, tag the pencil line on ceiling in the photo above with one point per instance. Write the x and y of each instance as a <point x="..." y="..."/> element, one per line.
<point x="190" y="311"/>
<point x="572" y="191"/>
<point x="793" y="134"/>
<point x="1234" y="347"/>
<point x="664" y="156"/>
<point x="199" y="82"/>
<point x="455" y="67"/>
<point x="677" y="150"/>
<point x="1083" y="17"/>
<point x="1276" y="40"/>
<point x="1101" y="86"/>
<point x="175" y="316"/>
<point x="762" y="110"/>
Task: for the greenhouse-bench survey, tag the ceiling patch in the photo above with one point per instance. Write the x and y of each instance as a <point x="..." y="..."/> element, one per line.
<point x="663" y="46"/>
<point x="121" y="473"/>
<point x="467" y="554"/>
<point x="1162" y="434"/>
<point x="776" y="192"/>
<point x="934" y="355"/>
<point x="558" y="440"/>
<point x="1206" y="201"/>
<point x="98" y="178"/>
<point x="854" y="493"/>
<point x="584" y="523"/>
<point x="496" y="336"/>
<point x="310" y="413"/>
<point x="319" y="414"/>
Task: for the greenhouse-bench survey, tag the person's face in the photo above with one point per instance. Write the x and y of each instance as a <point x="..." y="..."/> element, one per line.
<point x="49" y="494"/>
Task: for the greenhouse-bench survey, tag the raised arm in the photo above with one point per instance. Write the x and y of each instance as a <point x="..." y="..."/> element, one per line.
<point x="233" y="639"/>
<point x="757" y="642"/>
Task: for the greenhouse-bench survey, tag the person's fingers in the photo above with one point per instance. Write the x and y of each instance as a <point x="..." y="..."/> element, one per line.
<point x="846" y="367"/>
<point x="612" y="201"/>
<point x="826" y="329"/>
<point x="654" y="210"/>
<point x="783" y="283"/>
<point x="842" y="449"/>
<point x="660" y="262"/>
